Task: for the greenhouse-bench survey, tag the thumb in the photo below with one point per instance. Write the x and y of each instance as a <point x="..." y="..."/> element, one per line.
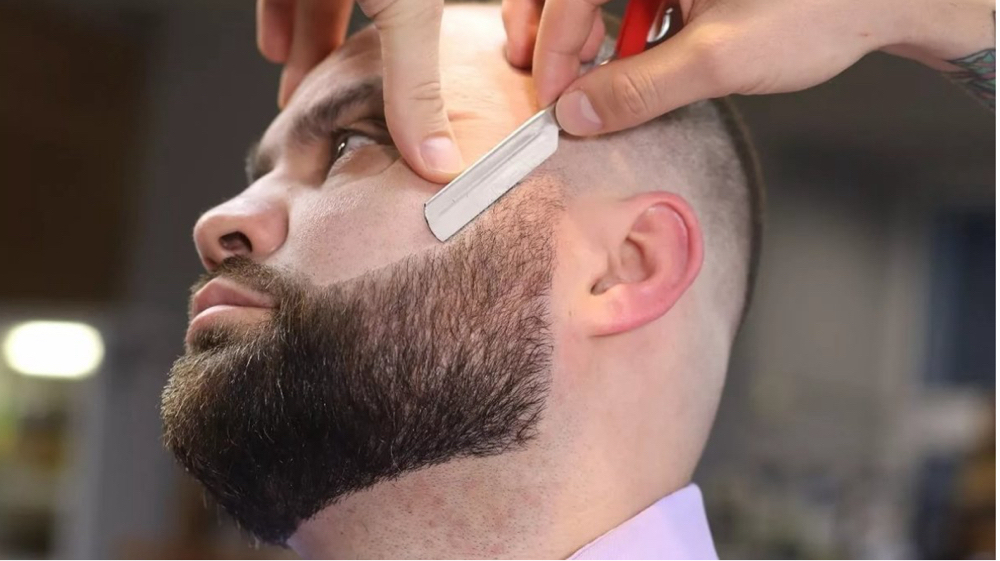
<point x="628" y="92"/>
<point x="409" y="31"/>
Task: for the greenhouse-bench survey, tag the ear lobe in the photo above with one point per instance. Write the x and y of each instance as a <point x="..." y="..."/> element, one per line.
<point x="658" y="255"/>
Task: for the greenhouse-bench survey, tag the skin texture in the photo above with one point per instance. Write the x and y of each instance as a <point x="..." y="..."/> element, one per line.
<point x="640" y="343"/>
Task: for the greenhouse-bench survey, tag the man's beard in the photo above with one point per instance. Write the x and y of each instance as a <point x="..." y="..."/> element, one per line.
<point x="435" y="358"/>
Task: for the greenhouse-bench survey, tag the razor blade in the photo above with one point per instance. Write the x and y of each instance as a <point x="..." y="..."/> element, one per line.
<point x="493" y="175"/>
<point x="647" y="23"/>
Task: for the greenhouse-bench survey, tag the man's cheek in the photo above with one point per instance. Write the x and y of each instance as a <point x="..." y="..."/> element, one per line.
<point x="364" y="227"/>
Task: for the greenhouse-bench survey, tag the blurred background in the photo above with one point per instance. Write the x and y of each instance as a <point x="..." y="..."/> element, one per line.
<point x="859" y="418"/>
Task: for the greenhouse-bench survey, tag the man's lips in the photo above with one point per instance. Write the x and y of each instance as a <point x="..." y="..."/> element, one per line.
<point x="222" y="296"/>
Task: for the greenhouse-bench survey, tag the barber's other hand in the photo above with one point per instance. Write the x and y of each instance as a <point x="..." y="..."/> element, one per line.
<point x="726" y="47"/>
<point x="301" y="33"/>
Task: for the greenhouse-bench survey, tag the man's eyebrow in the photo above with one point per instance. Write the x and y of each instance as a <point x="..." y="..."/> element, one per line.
<point x="317" y="121"/>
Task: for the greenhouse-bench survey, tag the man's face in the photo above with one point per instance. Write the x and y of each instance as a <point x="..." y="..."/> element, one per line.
<point x="332" y="198"/>
<point x="355" y="347"/>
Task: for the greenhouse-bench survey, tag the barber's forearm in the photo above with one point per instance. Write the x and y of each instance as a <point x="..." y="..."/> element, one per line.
<point x="955" y="37"/>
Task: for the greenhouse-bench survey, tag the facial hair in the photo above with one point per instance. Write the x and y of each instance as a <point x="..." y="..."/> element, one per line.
<point x="438" y="357"/>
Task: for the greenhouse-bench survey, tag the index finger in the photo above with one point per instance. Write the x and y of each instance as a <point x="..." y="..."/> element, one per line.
<point x="320" y="27"/>
<point x="274" y="28"/>
<point x="562" y="34"/>
<point x="410" y="31"/>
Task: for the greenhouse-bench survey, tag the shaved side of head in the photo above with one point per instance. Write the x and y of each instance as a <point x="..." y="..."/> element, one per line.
<point x="701" y="152"/>
<point x="704" y="153"/>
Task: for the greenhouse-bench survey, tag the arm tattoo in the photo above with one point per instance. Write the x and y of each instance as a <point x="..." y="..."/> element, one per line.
<point x="978" y="74"/>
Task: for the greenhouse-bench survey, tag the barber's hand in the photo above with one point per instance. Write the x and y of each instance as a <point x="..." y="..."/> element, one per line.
<point x="301" y="33"/>
<point x="729" y="46"/>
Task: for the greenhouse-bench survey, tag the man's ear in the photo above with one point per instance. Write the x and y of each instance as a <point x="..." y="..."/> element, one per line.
<point x="654" y="251"/>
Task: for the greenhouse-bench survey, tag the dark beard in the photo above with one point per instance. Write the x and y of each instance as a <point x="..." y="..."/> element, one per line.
<point x="435" y="358"/>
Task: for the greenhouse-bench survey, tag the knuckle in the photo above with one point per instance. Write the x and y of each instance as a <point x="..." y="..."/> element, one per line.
<point x="634" y="94"/>
<point x="426" y="93"/>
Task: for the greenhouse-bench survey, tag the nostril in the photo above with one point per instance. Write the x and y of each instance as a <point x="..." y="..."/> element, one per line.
<point x="236" y="243"/>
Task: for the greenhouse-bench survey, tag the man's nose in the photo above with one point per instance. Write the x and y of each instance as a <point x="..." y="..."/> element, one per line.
<point x="244" y="226"/>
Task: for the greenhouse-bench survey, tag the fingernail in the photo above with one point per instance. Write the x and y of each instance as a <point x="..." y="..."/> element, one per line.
<point x="440" y="154"/>
<point x="576" y="114"/>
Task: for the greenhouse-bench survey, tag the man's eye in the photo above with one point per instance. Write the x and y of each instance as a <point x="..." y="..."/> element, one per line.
<point x="348" y="141"/>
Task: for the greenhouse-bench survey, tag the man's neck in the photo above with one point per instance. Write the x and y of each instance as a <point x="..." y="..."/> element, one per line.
<point x="507" y="506"/>
<point x="592" y="466"/>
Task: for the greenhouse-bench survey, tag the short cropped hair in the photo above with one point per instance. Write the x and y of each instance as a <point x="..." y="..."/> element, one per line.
<point x="709" y="147"/>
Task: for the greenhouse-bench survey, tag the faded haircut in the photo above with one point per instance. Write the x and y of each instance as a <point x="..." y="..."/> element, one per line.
<point x="708" y="144"/>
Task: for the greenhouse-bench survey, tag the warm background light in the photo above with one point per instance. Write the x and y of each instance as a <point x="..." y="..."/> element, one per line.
<point x="56" y="349"/>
